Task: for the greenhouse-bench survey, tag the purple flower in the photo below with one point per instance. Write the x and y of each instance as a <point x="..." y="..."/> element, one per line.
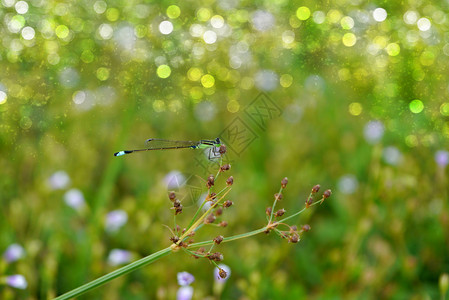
<point x="392" y="155"/>
<point x="442" y="158"/>
<point x="118" y="257"/>
<point x="373" y="131"/>
<point x="74" y="198"/>
<point x="17" y="281"/>
<point x="217" y="273"/>
<point x="185" y="278"/>
<point x="59" y="180"/>
<point x="13" y="252"/>
<point x="174" y="180"/>
<point x="116" y="219"/>
<point x="348" y="184"/>
<point x="184" y="293"/>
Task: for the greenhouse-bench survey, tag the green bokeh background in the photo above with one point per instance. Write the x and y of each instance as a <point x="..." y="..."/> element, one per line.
<point x="86" y="85"/>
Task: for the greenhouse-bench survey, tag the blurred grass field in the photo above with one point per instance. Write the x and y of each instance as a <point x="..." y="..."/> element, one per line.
<point x="352" y="95"/>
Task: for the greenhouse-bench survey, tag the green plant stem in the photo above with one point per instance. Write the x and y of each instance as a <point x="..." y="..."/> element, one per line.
<point x="299" y="212"/>
<point x="230" y="238"/>
<point x="114" y="274"/>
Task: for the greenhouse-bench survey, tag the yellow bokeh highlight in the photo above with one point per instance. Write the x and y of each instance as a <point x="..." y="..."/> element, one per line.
<point x="158" y="105"/>
<point x="355" y="108"/>
<point x="303" y="13"/>
<point x="173" y="11"/>
<point x="444" y="109"/>
<point x="427" y="58"/>
<point x="334" y="16"/>
<point x="62" y="31"/>
<point x="203" y="14"/>
<point x="103" y="73"/>
<point x="163" y="71"/>
<point x="349" y="39"/>
<point x="175" y="106"/>
<point x="344" y="74"/>
<point x="411" y="140"/>
<point x="194" y="74"/>
<point x="196" y="93"/>
<point x="208" y="81"/>
<point x="233" y="106"/>
<point x="393" y="49"/>
<point x="87" y="56"/>
<point x="286" y="80"/>
<point x="416" y="106"/>
<point x="294" y="22"/>
<point x="112" y="14"/>
<point x="381" y="41"/>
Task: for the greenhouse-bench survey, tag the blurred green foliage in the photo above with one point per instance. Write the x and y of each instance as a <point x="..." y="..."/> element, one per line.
<point x="362" y="87"/>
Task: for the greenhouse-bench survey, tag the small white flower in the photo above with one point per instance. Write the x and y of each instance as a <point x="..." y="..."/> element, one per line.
<point x="13" y="253"/>
<point x="118" y="257"/>
<point x="116" y="219"/>
<point x="17" y="281"/>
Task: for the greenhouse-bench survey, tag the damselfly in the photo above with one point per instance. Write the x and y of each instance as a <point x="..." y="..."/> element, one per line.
<point x="161" y="144"/>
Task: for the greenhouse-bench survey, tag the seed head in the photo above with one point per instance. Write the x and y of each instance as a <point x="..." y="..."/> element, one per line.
<point x="210" y="219"/>
<point x="227" y="203"/>
<point x="210" y="181"/>
<point x="217" y="256"/>
<point x="268" y="211"/>
<point x="280" y="213"/>
<point x="176" y="203"/>
<point x="172" y="196"/>
<point x="294" y="238"/>
<point x="222" y="273"/>
<point x="223" y="224"/>
<point x="178" y="210"/>
<point x="222" y="149"/>
<point x="230" y="181"/>
<point x="218" y="239"/>
<point x="284" y="182"/>
<point x="315" y="189"/>
<point x="309" y="202"/>
<point x="225" y="167"/>
<point x="327" y="193"/>
<point x="278" y="196"/>
<point x="306" y="228"/>
<point x="219" y="211"/>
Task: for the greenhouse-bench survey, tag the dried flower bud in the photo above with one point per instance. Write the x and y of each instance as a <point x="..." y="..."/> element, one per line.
<point x="225" y="167"/>
<point x="176" y="203"/>
<point x="174" y="239"/>
<point x="178" y="210"/>
<point x="172" y="196"/>
<point x="219" y="211"/>
<point x="278" y="196"/>
<point x="212" y="196"/>
<point x="309" y="202"/>
<point x="306" y="228"/>
<point x="223" y="224"/>
<point x="222" y="273"/>
<point x="230" y="181"/>
<point x="294" y="238"/>
<point x="227" y="203"/>
<point x="268" y="211"/>
<point x="210" y="181"/>
<point x="280" y="213"/>
<point x="217" y="256"/>
<point x="293" y="228"/>
<point x="284" y="182"/>
<point x="222" y="149"/>
<point x="210" y="219"/>
<point x="327" y="193"/>
<point x="315" y="189"/>
<point x="218" y="239"/>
